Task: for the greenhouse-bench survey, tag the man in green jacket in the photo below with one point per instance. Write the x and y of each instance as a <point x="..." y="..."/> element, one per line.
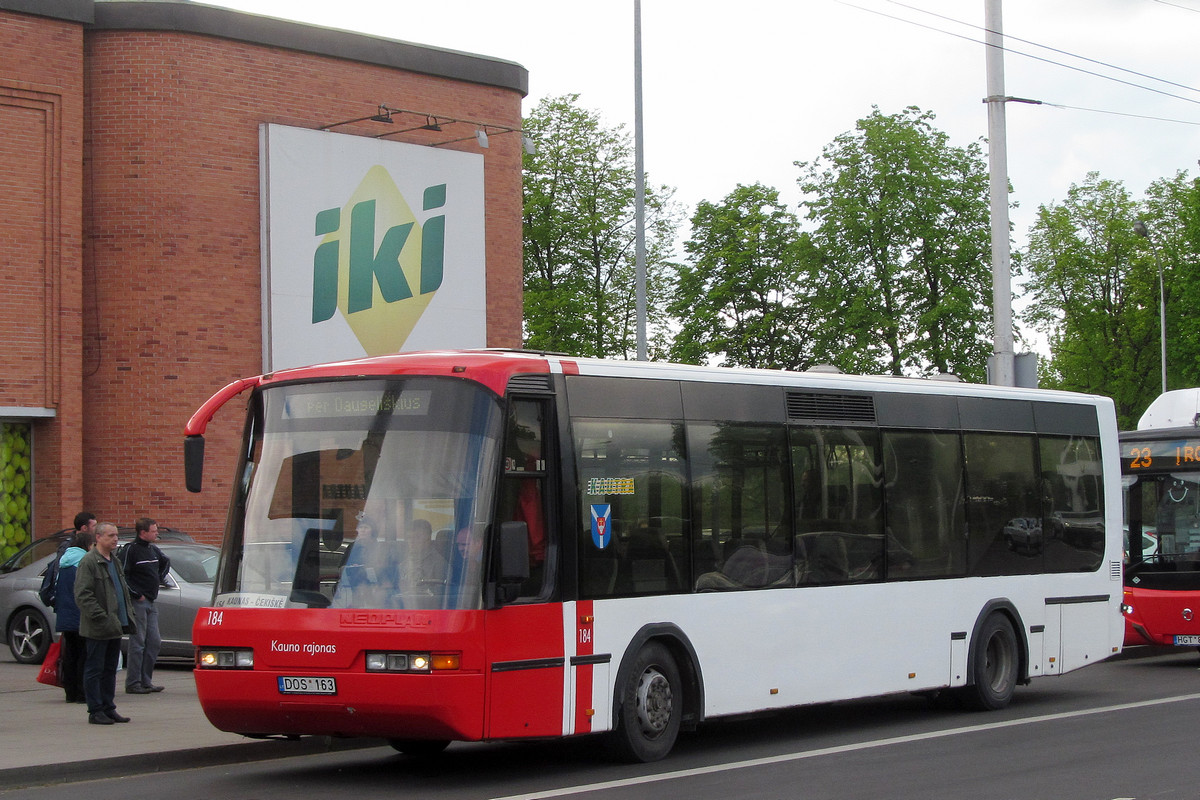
<point x="104" y="615"/>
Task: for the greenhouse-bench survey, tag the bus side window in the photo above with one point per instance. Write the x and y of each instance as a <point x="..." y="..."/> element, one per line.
<point x="633" y="513"/>
<point x="839" y="503"/>
<point x="922" y="473"/>
<point x="742" y="538"/>
<point x="1005" y="533"/>
<point x="1072" y="504"/>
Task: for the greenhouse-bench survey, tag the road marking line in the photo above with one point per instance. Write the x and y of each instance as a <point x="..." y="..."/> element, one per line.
<point x="848" y="748"/>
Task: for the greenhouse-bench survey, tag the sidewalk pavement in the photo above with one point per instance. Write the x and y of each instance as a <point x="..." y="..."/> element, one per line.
<point x="44" y="739"/>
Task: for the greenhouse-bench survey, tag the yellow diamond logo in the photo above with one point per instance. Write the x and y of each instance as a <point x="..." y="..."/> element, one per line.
<point x="376" y="265"/>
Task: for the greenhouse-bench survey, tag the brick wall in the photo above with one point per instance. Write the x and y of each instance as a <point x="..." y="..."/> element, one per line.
<point x="41" y="115"/>
<point x="172" y="310"/>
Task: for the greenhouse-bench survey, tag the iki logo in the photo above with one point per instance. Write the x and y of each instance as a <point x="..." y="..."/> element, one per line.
<point x="376" y="264"/>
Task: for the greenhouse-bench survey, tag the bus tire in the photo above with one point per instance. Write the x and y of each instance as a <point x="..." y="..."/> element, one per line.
<point x="651" y="707"/>
<point x="419" y="747"/>
<point x="994" y="666"/>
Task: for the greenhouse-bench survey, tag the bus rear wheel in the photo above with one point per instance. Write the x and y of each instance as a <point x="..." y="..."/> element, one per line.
<point x="651" y="707"/>
<point x="994" y="667"/>
<point x="419" y="747"/>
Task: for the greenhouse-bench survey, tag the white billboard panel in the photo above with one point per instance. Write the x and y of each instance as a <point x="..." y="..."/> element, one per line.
<point x="369" y="247"/>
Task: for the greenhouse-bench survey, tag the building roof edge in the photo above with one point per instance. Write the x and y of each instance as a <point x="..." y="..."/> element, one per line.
<point x="184" y="16"/>
<point x="69" y="10"/>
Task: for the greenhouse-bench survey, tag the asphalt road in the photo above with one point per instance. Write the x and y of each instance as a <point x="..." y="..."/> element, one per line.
<point x="1121" y="729"/>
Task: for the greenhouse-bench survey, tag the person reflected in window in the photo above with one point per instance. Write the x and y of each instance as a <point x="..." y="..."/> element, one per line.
<point x="425" y="566"/>
<point x="468" y="546"/>
<point x="369" y="575"/>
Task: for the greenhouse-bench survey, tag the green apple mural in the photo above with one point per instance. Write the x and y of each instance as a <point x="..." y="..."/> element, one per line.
<point x="16" y="482"/>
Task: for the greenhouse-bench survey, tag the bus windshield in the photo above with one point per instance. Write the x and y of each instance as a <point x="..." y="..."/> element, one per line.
<point x="1170" y="524"/>
<point x="369" y="493"/>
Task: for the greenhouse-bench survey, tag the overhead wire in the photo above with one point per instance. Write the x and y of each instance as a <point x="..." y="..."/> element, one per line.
<point x="1177" y="5"/>
<point x="1047" y="47"/>
<point x="1120" y="113"/>
<point x="1020" y="53"/>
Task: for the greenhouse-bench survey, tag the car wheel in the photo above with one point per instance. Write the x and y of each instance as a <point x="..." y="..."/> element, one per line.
<point x="29" y="636"/>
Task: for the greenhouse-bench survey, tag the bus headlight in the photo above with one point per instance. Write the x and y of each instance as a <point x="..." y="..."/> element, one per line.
<point x="411" y="662"/>
<point x="224" y="658"/>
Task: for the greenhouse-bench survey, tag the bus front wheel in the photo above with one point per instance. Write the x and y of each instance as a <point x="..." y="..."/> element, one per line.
<point x="651" y="706"/>
<point x="994" y="666"/>
<point x="419" y="747"/>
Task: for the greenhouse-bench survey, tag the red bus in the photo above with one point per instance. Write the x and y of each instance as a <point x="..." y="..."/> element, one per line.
<point x="1160" y="462"/>
<point x="490" y="545"/>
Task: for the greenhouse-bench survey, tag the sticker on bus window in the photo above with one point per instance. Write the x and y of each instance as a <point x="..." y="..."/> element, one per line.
<point x="601" y="524"/>
<point x="251" y="600"/>
<point x="610" y="486"/>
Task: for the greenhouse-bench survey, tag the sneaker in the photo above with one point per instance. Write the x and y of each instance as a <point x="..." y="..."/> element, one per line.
<point x="115" y="717"/>
<point x="156" y="688"/>
<point x="137" y="688"/>
<point x="100" y="718"/>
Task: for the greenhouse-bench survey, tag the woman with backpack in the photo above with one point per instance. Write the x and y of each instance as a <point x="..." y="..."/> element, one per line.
<point x="73" y="649"/>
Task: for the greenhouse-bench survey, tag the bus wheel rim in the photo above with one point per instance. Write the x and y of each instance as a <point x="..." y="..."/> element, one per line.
<point x="654" y="702"/>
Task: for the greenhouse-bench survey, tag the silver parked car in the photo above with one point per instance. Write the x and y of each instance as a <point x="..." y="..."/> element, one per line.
<point x="28" y="624"/>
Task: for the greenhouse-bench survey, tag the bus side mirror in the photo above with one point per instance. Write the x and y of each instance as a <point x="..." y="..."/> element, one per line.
<point x="514" y="552"/>
<point x="193" y="463"/>
<point x="512" y="559"/>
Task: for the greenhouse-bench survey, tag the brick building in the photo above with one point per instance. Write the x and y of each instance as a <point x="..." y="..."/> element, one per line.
<point x="130" y="189"/>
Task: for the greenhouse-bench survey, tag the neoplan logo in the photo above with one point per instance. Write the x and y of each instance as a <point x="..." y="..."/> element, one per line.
<point x="376" y="264"/>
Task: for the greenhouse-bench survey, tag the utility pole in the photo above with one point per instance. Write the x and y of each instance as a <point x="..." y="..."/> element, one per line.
<point x="1003" y="374"/>
<point x="639" y="182"/>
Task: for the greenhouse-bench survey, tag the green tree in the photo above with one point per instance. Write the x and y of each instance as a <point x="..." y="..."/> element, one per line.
<point x="1171" y="211"/>
<point x="1092" y="289"/>
<point x="739" y="298"/>
<point x="902" y="228"/>
<point x="579" y="237"/>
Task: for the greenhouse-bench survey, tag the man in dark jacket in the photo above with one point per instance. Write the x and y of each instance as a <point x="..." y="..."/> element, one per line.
<point x="104" y="603"/>
<point x="145" y="569"/>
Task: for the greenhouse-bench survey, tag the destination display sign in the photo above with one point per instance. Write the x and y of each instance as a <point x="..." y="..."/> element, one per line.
<point x="1160" y="455"/>
<point x="357" y="403"/>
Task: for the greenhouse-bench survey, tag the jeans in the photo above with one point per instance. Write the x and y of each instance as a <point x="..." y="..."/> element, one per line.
<point x="71" y="664"/>
<point x="100" y="674"/>
<point x="143" y="645"/>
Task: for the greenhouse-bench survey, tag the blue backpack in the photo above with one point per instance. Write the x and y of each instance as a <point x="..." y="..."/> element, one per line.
<point x="49" y="583"/>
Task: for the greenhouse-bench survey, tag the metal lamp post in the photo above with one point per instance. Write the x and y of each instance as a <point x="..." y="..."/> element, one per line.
<point x="1140" y="228"/>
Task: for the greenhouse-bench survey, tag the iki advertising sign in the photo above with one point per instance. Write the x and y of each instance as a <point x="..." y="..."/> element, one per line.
<point x="372" y="247"/>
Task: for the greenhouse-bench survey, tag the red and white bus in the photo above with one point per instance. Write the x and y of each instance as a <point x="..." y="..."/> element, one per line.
<point x="490" y="545"/>
<point x="1160" y="462"/>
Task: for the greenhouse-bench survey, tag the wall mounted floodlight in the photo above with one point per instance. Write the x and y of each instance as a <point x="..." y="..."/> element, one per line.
<point x="437" y="122"/>
<point x="384" y="115"/>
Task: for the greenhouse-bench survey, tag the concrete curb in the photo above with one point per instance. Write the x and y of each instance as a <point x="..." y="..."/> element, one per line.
<point x="170" y="760"/>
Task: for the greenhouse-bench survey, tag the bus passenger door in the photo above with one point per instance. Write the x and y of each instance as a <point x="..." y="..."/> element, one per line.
<point x="524" y="639"/>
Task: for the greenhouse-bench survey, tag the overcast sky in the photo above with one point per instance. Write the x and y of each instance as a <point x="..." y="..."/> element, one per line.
<point x="736" y="92"/>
